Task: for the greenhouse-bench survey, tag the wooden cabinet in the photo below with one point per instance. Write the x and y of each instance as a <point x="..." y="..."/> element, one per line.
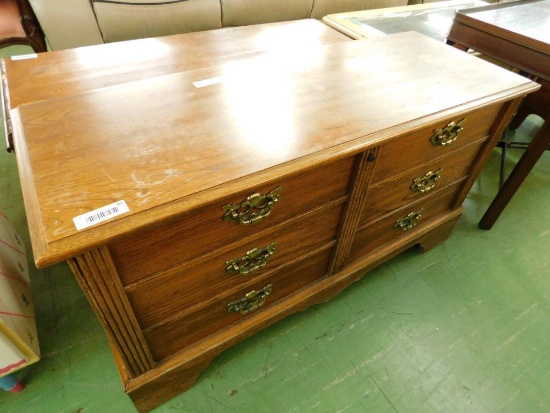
<point x="272" y="188"/>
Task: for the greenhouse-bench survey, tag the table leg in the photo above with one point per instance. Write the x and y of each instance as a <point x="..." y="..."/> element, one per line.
<point x="531" y="155"/>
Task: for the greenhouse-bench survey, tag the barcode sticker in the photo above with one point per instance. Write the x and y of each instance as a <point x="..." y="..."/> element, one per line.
<point x="207" y="82"/>
<point x="101" y="214"/>
<point x="25" y="56"/>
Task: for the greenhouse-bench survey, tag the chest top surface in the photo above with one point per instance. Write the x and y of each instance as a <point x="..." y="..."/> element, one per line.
<point x="167" y="143"/>
<point x="65" y="72"/>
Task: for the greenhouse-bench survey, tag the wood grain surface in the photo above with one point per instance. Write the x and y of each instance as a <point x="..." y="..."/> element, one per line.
<point x="164" y="145"/>
<point x="67" y="72"/>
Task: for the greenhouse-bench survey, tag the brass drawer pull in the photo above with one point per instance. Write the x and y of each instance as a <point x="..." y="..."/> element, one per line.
<point x="254" y="209"/>
<point x="252" y="261"/>
<point x="426" y="182"/>
<point x="251" y="301"/>
<point x="448" y="134"/>
<point x="408" y="222"/>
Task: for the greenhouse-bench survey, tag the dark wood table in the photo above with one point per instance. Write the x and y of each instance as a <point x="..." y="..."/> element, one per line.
<point x="517" y="34"/>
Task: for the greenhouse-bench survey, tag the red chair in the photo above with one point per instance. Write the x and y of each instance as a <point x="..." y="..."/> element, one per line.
<point x="19" y="26"/>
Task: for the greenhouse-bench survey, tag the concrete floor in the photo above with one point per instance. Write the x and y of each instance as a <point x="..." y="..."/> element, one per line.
<point x="463" y="328"/>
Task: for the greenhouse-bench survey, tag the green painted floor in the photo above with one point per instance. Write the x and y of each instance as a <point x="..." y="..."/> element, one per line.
<point x="463" y="328"/>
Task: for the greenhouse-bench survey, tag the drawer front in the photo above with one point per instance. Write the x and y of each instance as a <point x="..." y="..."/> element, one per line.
<point x="384" y="231"/>
<point x="393" y="193"/>
<point x="178" y="333"/>
<point x="406" y="153"/>
<point x="204" y="230"/>
<point x="196" y="284"/>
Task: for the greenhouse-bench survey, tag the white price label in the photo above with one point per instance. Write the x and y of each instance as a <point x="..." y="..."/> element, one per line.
<point x="207" y="82"/>
<point x="25" y="56"/>
<point x="101" y="214"/>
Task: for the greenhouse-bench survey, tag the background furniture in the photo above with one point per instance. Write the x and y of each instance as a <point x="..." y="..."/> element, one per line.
<point x="431" y="19"/>
<point x="84" y="22"/>
<point x="179" y="274"/>
<point x="517" y="34"/>
<point x="18" y="25"/>
<point x="537" y="103"/>
<point x="18" y="336"/>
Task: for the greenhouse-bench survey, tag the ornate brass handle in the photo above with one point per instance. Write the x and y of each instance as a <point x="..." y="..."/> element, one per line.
<point x="254" y="209"/>
<point x="252" y="261"/>
<point x="408" y="222"/>
<point x="426" y="182"/>
<point x="251" y="301"/>
<point x="448" y="134"/>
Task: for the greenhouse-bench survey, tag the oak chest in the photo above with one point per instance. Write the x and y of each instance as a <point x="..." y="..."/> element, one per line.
<point x="199" y="207"/>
